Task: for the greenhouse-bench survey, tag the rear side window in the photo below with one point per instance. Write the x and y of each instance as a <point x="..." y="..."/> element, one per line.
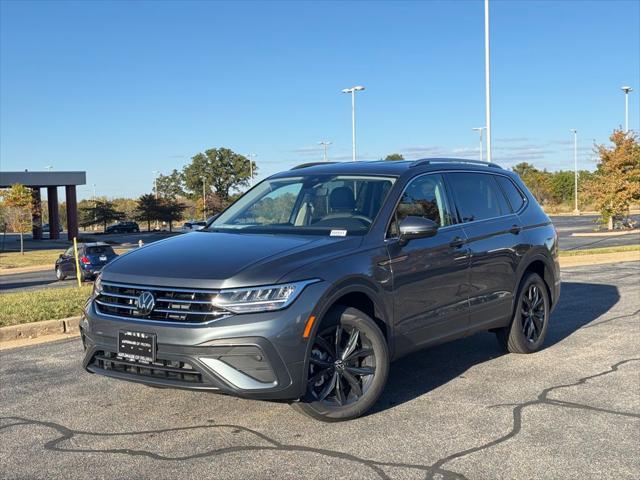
<point x="477" y="196"/>
<point x="515" y="197"/>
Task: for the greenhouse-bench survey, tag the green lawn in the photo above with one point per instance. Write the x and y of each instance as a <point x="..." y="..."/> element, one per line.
<point x="591" y="251"/>
<point x="46" y="258"/>
<point x="46" y="304"/>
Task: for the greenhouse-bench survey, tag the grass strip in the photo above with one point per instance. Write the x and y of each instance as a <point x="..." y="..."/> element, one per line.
<point x="45" y="304"/>
<point x="9" y="260"/>
<point x="594" y="251"/>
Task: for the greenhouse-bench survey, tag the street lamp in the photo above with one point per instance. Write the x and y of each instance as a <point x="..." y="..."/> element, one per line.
<point x="353" y="91"/>
<point x="626" y="91"/>
<point x="575" y="169"/>
<point x="250" y="156"/>
<point x="155" y="182"/>
<point x="325" y="145"/>
<point x="204" y="198"/>
<point x="479" y="130"/>
<point x="487" y="80"/>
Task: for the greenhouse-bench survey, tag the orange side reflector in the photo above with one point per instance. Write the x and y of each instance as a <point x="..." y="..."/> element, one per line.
<point x="308" y="327"/>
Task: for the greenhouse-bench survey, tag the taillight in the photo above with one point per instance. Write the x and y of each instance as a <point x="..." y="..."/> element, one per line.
<point x="85" y="260"/>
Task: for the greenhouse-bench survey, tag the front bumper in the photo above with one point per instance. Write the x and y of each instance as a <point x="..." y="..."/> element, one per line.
<point x="252" y="355"/>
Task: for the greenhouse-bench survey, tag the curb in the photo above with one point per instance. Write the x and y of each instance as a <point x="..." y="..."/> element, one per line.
<point x="38" y="329"/>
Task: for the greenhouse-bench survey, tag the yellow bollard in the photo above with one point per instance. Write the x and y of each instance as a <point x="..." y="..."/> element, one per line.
<point x="75" y="251"/>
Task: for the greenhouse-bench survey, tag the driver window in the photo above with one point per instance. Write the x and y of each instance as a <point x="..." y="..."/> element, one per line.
<point x="424" y="197"/>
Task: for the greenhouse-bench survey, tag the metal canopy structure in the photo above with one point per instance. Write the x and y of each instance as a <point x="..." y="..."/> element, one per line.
<point x="51" y="181"/>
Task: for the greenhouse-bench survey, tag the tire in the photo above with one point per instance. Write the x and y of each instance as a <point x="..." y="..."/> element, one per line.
<point x="334" y="396"/>
<point x="59" y="275"/>
<point x="529" y="326"/>
<point x="83" y="276"/>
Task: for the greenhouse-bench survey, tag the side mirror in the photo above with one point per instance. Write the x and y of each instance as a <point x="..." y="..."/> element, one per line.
<point x="416" y="227"/>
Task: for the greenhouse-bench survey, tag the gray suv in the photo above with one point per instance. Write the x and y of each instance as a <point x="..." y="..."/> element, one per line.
<point x="309" y="285"/>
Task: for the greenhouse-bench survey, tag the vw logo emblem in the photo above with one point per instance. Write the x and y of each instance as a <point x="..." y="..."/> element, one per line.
<point x="145" y="303"/>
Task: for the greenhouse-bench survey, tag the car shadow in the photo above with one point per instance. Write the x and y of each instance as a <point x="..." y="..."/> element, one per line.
<point x="424" y="371"/>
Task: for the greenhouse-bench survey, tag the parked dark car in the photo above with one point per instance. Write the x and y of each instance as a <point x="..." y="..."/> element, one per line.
<point x="45" y="228"/>
<point x="92" y="258"/>
<point x="123" y="227"/>
<point x="309" y="285"/>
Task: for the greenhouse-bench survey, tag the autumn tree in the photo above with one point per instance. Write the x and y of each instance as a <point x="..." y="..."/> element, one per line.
<point x="17" y="209"/>
<point x="170" y="210"/>
<point x="537" y="181"/>
<point x="616" y="182"/>
<point x="394" y="156"/>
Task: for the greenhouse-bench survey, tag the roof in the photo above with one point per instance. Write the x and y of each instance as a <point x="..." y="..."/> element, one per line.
<point x="386" y="167"/>
<point x="42" y="179"/>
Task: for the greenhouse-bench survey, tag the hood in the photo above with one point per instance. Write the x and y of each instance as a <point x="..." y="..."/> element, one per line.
<point x="223" y="260"/>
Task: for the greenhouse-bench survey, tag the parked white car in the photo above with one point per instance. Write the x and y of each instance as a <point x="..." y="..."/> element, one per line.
<point x="193" y="225"/>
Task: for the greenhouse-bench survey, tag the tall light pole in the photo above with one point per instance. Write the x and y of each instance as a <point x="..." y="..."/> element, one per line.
<point x="626" y="91"/>
<point x="479" y="130"/>
<point x="325" y="145"/>
<point x="204" y="198"/>
<point x="250" y="156"/>
<point x="353" y="91"/>
<point x="155" y="182"/>
<point x="487" y="79"/>
<point x="575" y="169"/>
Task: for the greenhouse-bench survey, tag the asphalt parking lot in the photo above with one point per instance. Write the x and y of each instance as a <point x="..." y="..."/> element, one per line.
<point x="461" y="410"/>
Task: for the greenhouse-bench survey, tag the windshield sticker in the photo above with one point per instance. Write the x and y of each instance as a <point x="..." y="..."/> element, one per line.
<point x="338" y="233"/>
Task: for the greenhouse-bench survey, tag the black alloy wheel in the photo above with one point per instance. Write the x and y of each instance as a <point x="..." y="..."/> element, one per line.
<point x="348" y="367"/>
<point x="530" y="320"/>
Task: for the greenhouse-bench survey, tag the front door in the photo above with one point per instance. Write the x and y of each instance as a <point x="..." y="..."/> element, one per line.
<point x="430" y="275"/>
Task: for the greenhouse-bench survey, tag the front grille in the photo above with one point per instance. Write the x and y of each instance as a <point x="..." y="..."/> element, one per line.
<point x="162" y="369"/>
<point x="171" y="304"/>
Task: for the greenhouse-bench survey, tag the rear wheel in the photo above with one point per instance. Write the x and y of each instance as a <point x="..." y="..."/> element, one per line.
<point x="530" y="320"/>
<point x="348" y="367"/>
<point x="59" y="275"/>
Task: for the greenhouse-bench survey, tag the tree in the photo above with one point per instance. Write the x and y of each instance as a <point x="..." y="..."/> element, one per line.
<point x="17" y="210"/>
<point x="394" y="156"/>
<point x="170" y="211"/>
<point x="127" y="206"/>
<point x="100" y="212"/>
<point x="170" y="186"/>
<point x="148" y="209"/>
<point x="222" y="169"/>
<point x="537" y="181"/>
<point x="616" y="182"/>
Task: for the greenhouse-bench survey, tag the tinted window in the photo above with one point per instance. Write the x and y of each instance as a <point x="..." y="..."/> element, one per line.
<point x="477" y="196"/>
<point x="424" y="197"/>
<point x="100" y="250"/>
<point x="511" y="191"/>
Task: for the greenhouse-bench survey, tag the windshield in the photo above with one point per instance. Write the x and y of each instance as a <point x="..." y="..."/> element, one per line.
<point x="337" y="205"/>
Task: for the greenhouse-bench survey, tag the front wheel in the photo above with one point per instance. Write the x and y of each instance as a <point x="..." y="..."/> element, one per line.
<point x="348" y="367"/>
<point x="530" y="320"/>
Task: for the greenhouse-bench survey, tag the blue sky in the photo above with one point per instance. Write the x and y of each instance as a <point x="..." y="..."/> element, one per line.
<point x="121" y="89"/>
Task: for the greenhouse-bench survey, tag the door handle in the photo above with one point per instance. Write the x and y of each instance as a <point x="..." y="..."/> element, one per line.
<point x="457" y="242"/>
<point x="515" y="229"/>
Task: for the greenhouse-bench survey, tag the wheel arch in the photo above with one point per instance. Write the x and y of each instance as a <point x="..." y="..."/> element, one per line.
<point x="543" y="266"/>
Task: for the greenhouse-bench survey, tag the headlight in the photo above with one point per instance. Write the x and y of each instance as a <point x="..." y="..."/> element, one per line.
<point x="260" y="299"/>
<point x="97" y="286"/>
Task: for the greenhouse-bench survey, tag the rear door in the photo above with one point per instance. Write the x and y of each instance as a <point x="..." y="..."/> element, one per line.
<point x="493" y="236"/>
<point x="430" y="275"/>
<point x="67" y="262"/>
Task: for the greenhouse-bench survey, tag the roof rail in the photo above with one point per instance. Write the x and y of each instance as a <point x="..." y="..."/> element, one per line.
<point x="310" y="164"/>
<point x="429" y="161"/>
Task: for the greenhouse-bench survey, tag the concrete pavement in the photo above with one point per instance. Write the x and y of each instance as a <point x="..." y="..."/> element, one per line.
<point x="461" y="410"/>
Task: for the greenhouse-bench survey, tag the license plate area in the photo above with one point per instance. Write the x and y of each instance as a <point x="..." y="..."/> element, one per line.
<point x="103" y="258"/>
<point x="137" y="346"/>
